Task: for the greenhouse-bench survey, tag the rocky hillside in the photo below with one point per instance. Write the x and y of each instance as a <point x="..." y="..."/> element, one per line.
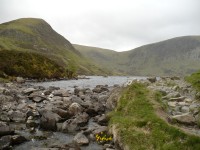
<point x="160" y="114"/>
<point x="37" y="36"/>
<point x="177" y="56"/>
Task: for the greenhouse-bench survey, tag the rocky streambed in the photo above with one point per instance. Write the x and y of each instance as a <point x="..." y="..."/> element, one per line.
<point x="34" y="117"/>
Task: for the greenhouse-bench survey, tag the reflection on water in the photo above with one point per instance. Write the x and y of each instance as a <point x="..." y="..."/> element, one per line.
<point x="89" y="83"/>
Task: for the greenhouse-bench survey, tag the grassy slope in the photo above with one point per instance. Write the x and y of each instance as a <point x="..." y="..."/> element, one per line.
<point x="105" y="58"/>
<point x="177" y="56"/>
<point x="140" y="128"/>
<point x="36" y="35"/>
<point x="194" y="79"/>
<point x="31" y="65"/>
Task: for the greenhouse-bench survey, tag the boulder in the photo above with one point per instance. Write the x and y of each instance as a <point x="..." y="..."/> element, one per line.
<point x="78" y="91"/>
<point x="81" y="119"/>
<point x="31" y="122"/>
<point x="67" y="101"/>
<point x="75" y="108"/>
<point x="95" y="109"/>
<point x="152" y="79"/>
<point x="38" y="99"/>
<point x="186" y="119"/>
<point x="182" y="103"/>
<point x="4" y="99"/>
<point x="5" y="142"/>
<point x="188" y="100"/>
<point x="194" y="107"/>
<point x="100" y="89"/>
<point x="18" y="139"/>
<point x="81" y="139"/>
<point x="103" y="98"/>
<point x="185" y="109"/>
<point x="4" y="117"/>
<point x="56" y="98"/>
<point x="100" y="129"/>
<point x="37" y="96"/>
<point x="177" y="99"/>
<point x="48" y="120"/>
<point x="103" y="120"/>
<point x="53" y="88"/>
<point x="62" y="113"/>
<point x="5" y="129"/>
<point x="17" y="116"/>
<point x="113" y="99"/>
<point x="61" y="93"/>
<point x="28" y="91"/>
<point x="20" y="80"/>
<point x="76" y="99"/>
<point x="70" y="125"/>
<point x="172" y="95"/>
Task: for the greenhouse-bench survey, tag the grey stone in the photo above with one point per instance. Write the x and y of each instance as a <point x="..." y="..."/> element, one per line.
<point x="17" y="116"/>
<point x="57" y="98"/>
<point x="62" y="113"/>
<point x="178" y="99"/>
<point x="172" y="104"/>
<point x="75" y="108"/>
<point x="152" y="79"/>
<point x="18" y="139"/>
<point x="70" y="125"/>
<point x="103" y="120"/>
<point x="61" y="93"/>
<point x="5" y="129"/>
<point x="186" y="119"/>
<point x="20" y="80"/>
<point x="182" y="103"/>
<point x="172" y="95"/>
<point x="5" y="142"/>
<point x="185" y="109"/>
<point x="28" y="91"/>
<point x="48" y="120"/>
<point x="193" y="107"/>
<point x="81" y="139"/>
<point x="100" y="89"/>
<point x="100" y="129"/>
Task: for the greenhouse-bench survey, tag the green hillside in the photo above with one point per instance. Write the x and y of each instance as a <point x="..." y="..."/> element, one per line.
<point x="37" y="36"/>
<point x="105" y="58"/>
<point x="31" y="65"/>
<point x="177" y="56"/>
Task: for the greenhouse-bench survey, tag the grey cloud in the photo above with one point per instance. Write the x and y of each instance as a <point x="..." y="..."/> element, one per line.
<point x="114" y="24"/>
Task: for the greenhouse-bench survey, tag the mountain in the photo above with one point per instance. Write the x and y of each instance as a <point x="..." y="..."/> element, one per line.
<point x="32" y="35"/>
<point x="105" y="58"/>
<point x="177" y="56"/>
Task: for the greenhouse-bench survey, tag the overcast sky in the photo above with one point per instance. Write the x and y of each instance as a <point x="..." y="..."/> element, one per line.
<point x="114" y="24"/>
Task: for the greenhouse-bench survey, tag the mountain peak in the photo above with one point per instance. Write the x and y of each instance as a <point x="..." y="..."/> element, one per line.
<point x="27" y="21"/>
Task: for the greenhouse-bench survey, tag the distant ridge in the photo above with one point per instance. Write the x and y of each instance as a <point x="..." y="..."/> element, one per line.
<point x="176" y="56"/>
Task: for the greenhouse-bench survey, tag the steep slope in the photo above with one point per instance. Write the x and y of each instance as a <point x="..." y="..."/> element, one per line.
<point x="36" y="35"/>
<point x="177" y="56"/>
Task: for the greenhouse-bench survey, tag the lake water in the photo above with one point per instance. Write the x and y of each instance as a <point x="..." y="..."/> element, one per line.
<point x="89" y="83"/>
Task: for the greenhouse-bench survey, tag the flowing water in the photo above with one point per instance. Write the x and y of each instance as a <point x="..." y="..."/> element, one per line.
<point x="89" y="83"/>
